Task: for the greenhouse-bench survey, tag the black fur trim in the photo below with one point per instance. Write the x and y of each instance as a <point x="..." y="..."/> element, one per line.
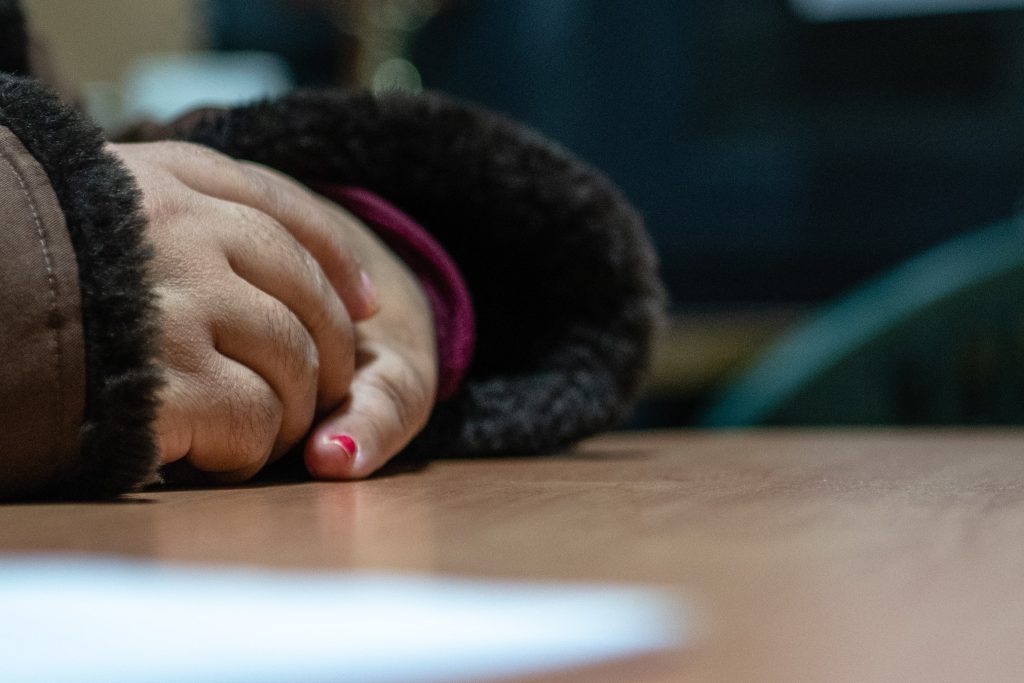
<point x="563" y="277"/>
<point x="13" y="41"/>
<point x="101" y="205"/>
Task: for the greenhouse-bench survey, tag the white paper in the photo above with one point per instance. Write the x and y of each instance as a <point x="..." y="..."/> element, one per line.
<point x="79" y="620"/>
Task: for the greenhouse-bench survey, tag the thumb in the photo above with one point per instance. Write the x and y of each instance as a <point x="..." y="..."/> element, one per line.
<point x="388" y="406"/>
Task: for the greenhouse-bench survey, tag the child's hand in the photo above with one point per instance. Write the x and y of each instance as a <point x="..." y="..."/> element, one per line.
<point x="395" y="384"/>
<point x="255" y="337"/>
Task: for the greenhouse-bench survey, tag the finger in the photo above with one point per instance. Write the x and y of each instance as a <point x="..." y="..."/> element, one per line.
<point x="321" y="227"/>
<point x="261" y="333"/>
<point x="172" y="426"/>
<point x="320" y="230"/>
<point x="270" y="259"/>
<point x="315" y="226"/>
<point x="235" y="417"/>
<point x="389" y="405"/>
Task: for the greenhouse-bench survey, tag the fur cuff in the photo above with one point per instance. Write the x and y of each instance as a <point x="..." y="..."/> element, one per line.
<point x="101" y="206"/>
<point x="562" y="274"/>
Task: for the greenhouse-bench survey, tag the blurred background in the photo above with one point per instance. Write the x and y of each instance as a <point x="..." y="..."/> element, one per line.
<point x="831" y="184"/>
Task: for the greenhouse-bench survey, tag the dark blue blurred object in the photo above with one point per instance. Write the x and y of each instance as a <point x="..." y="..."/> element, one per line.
<point x="302" y="33"/>
<point x="774" y="159"/>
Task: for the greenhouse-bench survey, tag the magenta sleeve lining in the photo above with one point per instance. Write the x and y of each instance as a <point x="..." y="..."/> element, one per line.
<point x="437" y="273"/>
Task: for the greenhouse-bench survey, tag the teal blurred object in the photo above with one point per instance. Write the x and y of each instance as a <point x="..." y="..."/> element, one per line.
<point x="936" y="340"/>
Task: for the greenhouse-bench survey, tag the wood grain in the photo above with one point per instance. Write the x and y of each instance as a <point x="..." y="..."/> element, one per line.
<point x="808" y="556"/>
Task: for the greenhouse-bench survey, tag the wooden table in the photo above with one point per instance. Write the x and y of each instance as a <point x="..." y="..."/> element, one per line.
<point x="808" y="556"/>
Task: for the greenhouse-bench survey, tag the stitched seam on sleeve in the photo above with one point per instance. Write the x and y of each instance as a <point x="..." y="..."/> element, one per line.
<point x="51" y="278"/>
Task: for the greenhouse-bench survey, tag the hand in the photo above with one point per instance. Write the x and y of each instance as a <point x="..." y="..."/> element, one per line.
<point x="395" y="383"/>
<point x="253" y="281"/>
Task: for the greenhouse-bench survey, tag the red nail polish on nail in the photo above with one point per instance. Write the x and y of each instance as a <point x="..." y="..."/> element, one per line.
<point x="346" y="443"/>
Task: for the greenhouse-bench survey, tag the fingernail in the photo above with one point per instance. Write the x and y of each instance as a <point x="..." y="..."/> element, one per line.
<point x="369" y="289"/>
<point x="345" y="443"/>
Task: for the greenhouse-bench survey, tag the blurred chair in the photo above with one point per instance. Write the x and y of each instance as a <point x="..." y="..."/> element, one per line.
<point x="936" y="340"/>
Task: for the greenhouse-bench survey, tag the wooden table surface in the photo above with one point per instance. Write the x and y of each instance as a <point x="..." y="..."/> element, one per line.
<point x="808" y="556"/>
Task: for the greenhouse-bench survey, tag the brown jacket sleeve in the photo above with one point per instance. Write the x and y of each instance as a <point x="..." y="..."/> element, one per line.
<point x="43" y="370"/>
<point x="78" y="377"/>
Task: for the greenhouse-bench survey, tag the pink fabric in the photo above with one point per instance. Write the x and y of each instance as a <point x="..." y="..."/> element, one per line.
<point x="439" y="276"/>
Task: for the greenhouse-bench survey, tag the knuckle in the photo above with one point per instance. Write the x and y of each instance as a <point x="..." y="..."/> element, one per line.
<point x="196" y="152"/>
<point x="173" y="426"/>
<point x="293" y="345"/>
<point x="281" y="187"/>
<point x="296" y="421"/>
<point x="266" y="188"/>
<point x="327" y="298"/>
<point x="165" y="199"/>
<point x="256" y="234"/>
<point x="404" y="399"/>
<point x="314" y="273"/>
<point x="184" y="341"/>
<point x="260" y="223"/>
<point x="238" y="417"/>
<point x="320" y="322"/>
<point x="254" y="416"/>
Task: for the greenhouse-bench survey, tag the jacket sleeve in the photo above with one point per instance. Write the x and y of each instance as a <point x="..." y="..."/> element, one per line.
<point x="77" y="319"/>
<point x="563" y="278"/>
